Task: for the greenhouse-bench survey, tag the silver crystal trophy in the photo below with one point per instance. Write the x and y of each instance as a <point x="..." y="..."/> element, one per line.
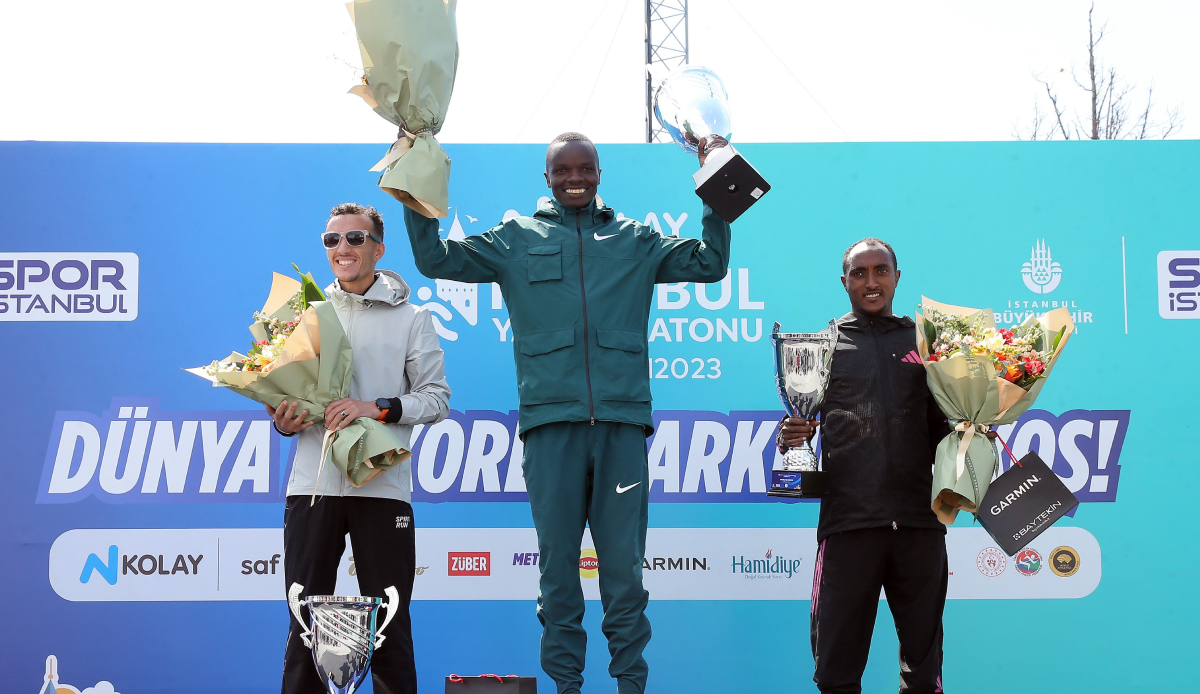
<point x="691" y="104"/>
<point x="342" y="634"/>
<point x="802" y="370"/>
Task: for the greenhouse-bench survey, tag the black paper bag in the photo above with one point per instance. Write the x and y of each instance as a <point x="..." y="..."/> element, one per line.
<point x="1023" y="502"/>
<point x="491" y="684"/>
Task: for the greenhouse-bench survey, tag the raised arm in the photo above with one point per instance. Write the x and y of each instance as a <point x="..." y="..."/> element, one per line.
<point x="474" y="259"/>
<point x="691" y="260"/>
<point x="428" y="398"/>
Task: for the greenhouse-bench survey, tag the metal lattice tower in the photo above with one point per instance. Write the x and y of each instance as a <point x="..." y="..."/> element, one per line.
<point x="666" y="47"/>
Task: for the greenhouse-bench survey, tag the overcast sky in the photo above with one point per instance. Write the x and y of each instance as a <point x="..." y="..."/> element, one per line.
<point x="796" y="71"/>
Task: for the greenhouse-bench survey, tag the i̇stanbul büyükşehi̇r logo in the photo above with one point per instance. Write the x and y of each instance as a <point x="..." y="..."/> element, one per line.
<point x="1041" y="273"/>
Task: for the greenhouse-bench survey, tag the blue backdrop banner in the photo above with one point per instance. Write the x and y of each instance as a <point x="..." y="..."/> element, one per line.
<point x="142" y="508"/>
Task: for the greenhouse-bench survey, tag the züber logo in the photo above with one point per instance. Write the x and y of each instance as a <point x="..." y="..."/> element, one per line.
<point x="469" y="563"/>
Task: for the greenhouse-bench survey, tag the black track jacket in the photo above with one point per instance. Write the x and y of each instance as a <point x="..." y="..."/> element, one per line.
<point x="879" y="428"/>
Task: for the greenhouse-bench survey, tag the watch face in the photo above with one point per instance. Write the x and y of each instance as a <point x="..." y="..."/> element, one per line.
<point x="382" y="403"/>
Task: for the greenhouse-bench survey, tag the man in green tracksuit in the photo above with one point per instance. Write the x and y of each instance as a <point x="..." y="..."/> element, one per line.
<point x="579" y="284"/>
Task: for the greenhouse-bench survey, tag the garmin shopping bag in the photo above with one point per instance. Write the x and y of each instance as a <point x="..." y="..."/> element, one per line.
<point x="491" y="684"/>
<point x="1023" y="502"/>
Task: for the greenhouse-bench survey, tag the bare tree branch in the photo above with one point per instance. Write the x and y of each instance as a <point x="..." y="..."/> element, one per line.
<point x="1112" y="112"/>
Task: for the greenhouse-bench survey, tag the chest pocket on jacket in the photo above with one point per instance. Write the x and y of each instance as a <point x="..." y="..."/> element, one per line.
<point x="545" y="263"/>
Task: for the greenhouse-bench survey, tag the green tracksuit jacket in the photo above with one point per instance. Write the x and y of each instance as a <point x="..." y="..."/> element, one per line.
<point x="579" y="285"/>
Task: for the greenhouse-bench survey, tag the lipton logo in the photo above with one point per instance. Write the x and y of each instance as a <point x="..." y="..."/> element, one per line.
<point x="589" y="564"/>
<point x="469" y="563"/>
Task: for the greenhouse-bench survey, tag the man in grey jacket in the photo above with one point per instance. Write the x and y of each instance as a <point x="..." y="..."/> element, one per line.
<point x="399" y="379"/>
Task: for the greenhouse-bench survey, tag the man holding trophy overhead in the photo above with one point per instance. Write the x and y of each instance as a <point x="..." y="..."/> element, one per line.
<point x="579" y="284"/>
<point x="881" y="427"/>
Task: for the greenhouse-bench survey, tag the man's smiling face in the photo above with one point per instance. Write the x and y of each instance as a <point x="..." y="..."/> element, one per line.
<point x="573" y="172"/>
<point x="353" y="264"/>
<point x="870" y="280"/>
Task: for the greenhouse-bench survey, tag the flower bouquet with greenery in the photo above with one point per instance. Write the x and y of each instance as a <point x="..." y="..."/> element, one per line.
<point x="981" y="376"/>
<point x="300" y="353"/>
<point x="409" y="54"/>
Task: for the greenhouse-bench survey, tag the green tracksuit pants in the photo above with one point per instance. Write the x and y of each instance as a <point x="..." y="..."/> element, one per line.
<point x="580" y="474"/>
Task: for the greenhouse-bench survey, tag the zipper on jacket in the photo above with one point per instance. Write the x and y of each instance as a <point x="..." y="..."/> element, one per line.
<point x="587" y="369"/>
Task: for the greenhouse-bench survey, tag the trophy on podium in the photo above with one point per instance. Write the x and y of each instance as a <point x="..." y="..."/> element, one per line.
<point x="691" y="105"/>
<point x="342" y="635"/>
<point x="802" y="370"/>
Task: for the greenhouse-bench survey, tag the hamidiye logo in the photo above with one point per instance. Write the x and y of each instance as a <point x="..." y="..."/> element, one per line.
<point x="1041" y="273"/>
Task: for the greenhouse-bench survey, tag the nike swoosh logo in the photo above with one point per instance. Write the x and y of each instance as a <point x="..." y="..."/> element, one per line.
<point x="622" y="490"/>
<point x="598" y="237"/>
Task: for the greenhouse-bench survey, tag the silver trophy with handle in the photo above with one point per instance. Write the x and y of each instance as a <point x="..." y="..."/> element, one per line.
<point x="691" y="105"/>
<point x="802" y="371"/>
<point x="342" y="634"/>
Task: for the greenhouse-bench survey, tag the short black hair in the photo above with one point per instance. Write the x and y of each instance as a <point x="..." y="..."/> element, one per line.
<point x="365" y="210"/>
<point x="869" y="241"/>
<point x="570" y="137"/>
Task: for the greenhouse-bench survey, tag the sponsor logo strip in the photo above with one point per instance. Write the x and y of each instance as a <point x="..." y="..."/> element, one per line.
<point x="457" y="564"/>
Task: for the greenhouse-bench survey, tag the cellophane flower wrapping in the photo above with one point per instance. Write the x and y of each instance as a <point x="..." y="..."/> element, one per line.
<point x="410" y="56"/>
<point x="312" y="367"/>
<point x="976" y="390"/>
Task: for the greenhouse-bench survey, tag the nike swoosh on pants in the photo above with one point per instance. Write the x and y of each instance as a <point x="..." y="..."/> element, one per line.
<point x="622" y="490"/>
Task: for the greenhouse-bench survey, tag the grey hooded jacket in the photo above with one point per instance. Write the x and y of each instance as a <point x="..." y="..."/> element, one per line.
<point x="396" y="354"/>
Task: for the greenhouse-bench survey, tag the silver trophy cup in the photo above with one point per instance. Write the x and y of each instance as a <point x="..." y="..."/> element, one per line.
<point x="802" y="369"/>
<point x="691" y="105"/>
<point x="341" y="633"/>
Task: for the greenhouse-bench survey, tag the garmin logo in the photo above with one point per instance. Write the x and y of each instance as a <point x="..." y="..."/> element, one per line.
<point x="68" y="286"/>
<point x="1015" y="494"/>
<point x="138" y="453"/>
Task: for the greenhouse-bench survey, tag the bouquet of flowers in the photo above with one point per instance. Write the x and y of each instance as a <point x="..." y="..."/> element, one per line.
<point x="409" y="52"/>
<point x="981" y="376"/>
<point x="300" y="353"/>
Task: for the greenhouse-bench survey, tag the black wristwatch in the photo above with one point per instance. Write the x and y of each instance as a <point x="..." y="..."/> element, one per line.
<point x="390" y="410"/>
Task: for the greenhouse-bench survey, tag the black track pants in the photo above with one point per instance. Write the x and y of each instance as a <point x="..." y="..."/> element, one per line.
<point x="910" y="565"/>
<point x="314" y="538"/>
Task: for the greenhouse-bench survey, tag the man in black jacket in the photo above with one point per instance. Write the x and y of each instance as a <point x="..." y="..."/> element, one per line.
<point x="876" y="529"/>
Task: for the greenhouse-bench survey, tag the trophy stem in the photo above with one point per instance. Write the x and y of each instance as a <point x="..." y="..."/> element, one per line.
<point x="800" y="459"/>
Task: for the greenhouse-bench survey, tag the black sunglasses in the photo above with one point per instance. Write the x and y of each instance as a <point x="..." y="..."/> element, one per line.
<point x="354" y="237"/>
